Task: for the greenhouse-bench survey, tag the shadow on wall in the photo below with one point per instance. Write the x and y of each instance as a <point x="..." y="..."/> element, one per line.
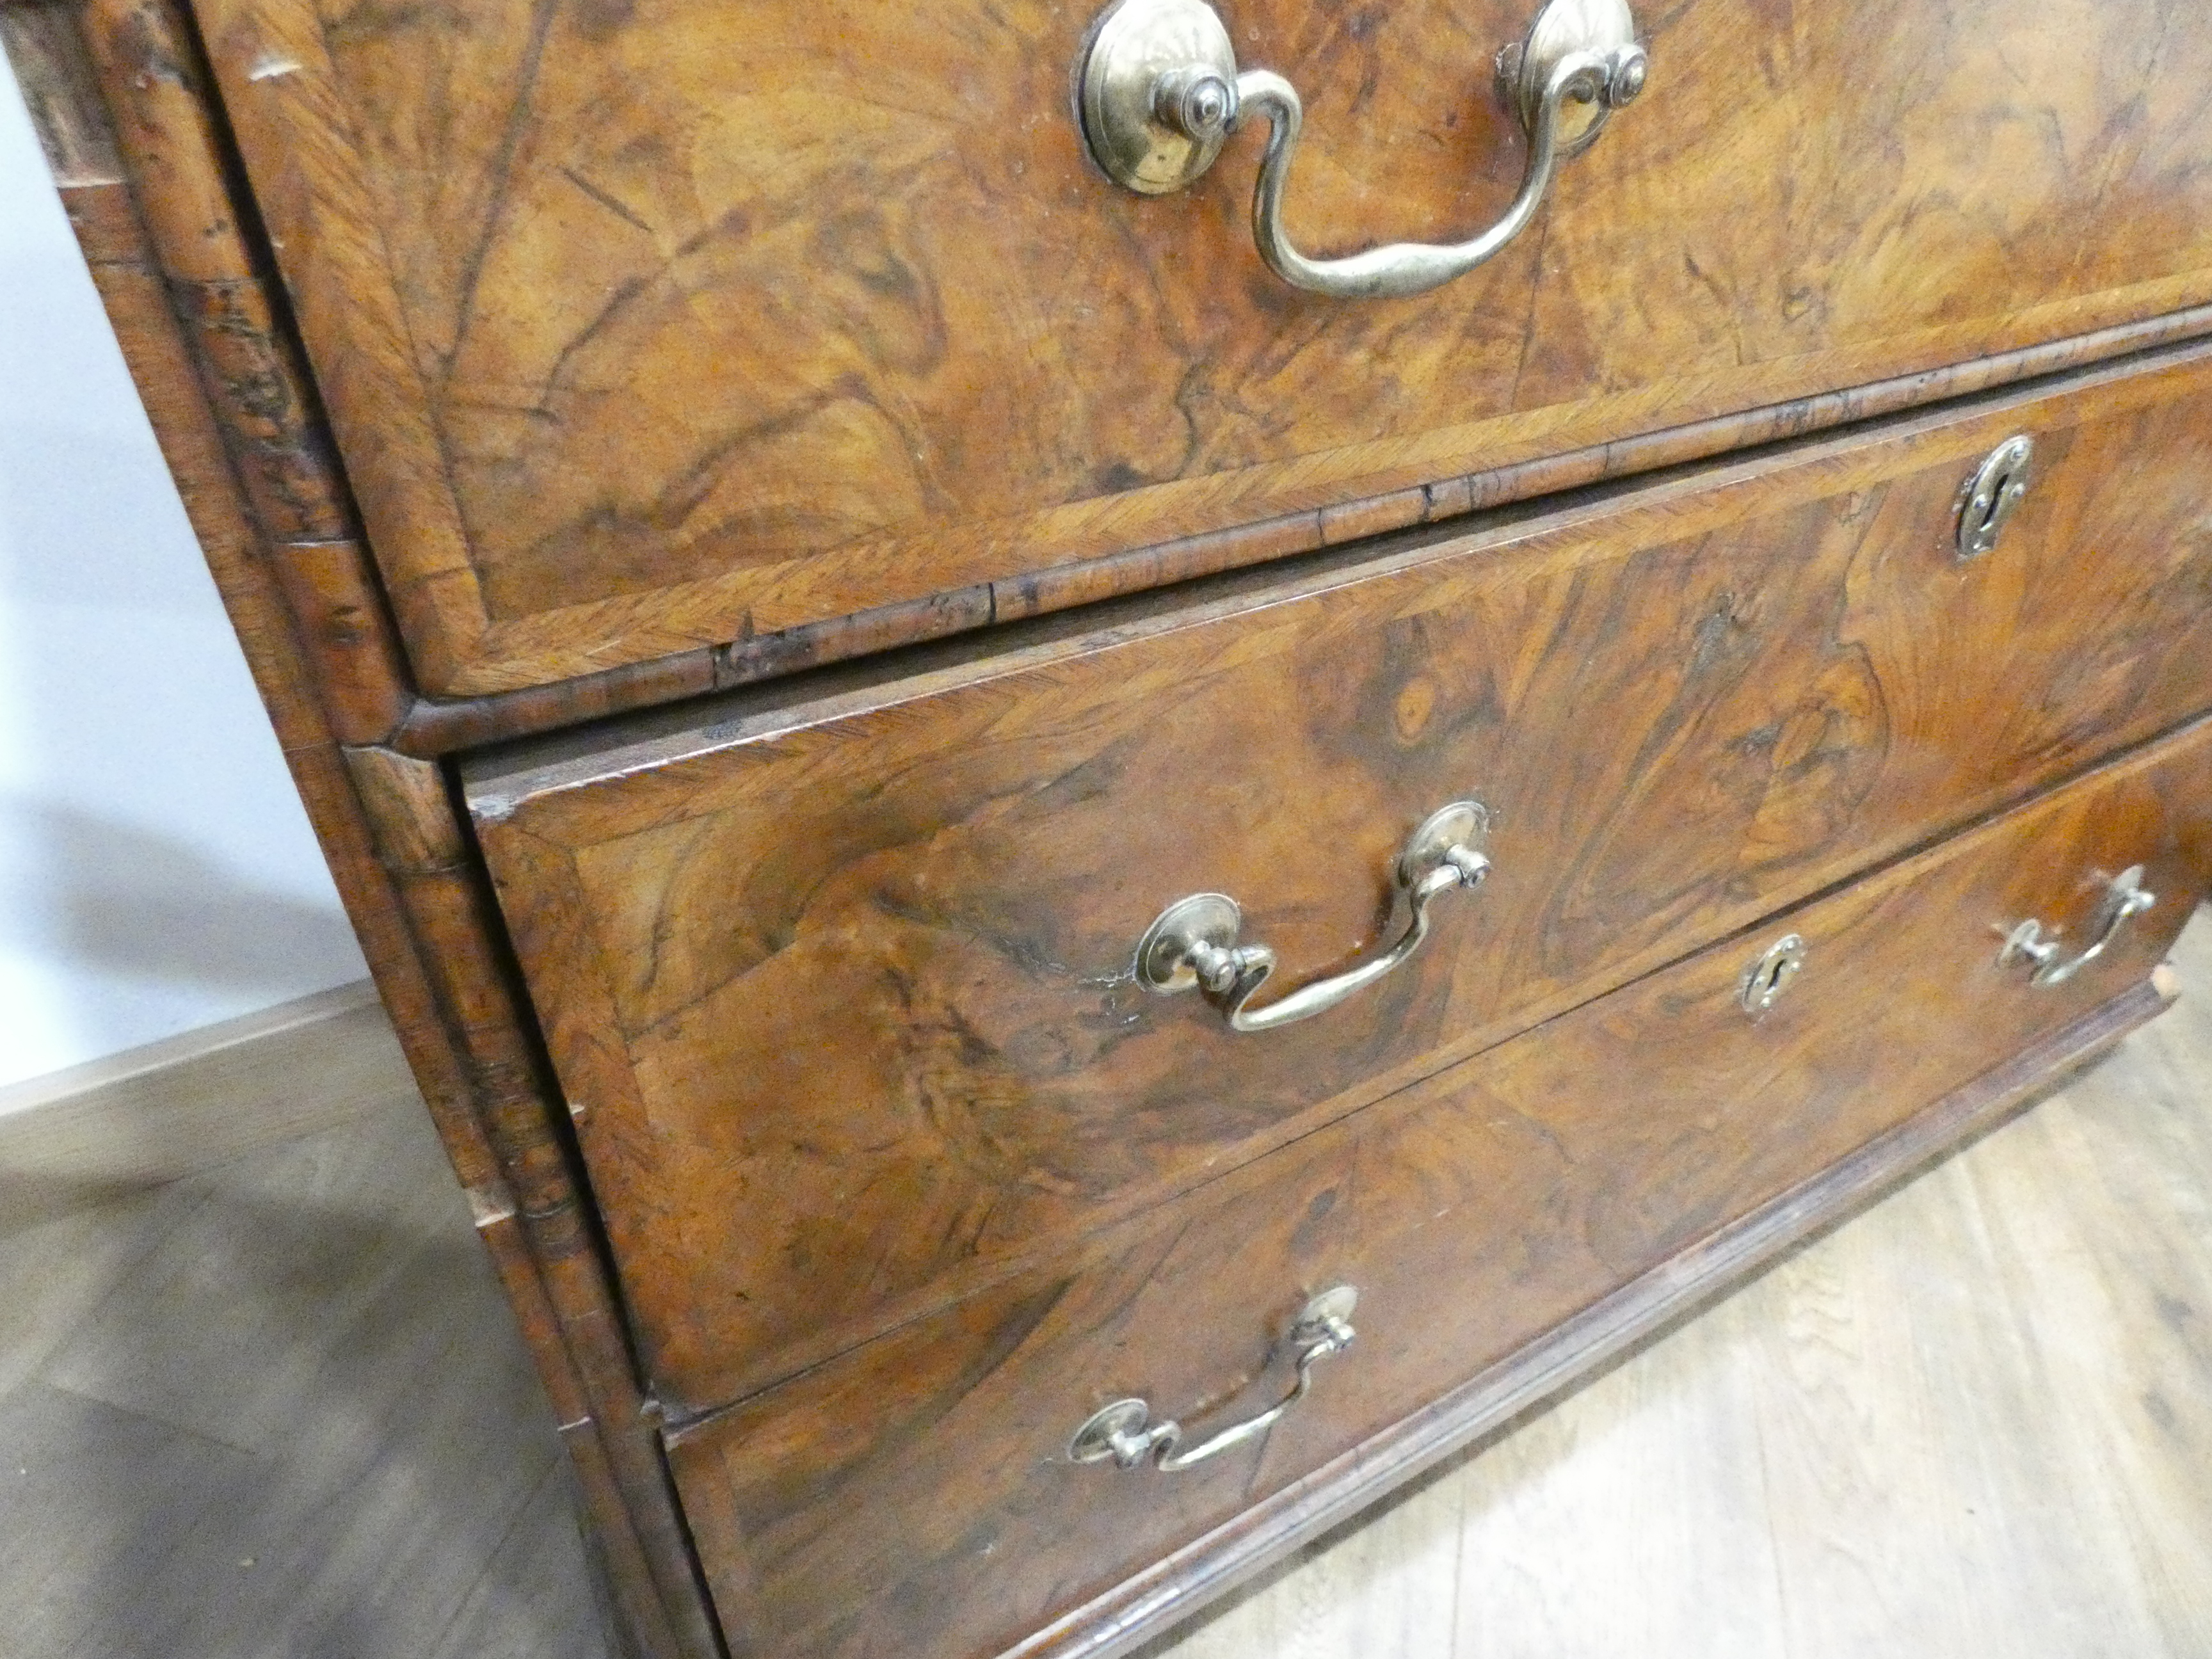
<point x="157" y="872"/>
<point x="141" y="905"/>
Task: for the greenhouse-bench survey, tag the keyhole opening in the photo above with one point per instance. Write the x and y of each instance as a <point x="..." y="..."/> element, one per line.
<point x="1767" y="978"/>
<point x="1997" y="487"/>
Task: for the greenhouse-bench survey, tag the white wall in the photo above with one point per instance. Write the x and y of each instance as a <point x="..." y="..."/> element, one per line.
<point x="156" y="872"/>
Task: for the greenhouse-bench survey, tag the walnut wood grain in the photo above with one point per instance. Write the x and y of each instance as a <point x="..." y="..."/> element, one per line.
<point x="440" y="726"/>
<point x="247" y="359"/>
<point x="1180" y="1584"/>
<point x="441" y="896"/>
<point x="165" y="153"/>
<point x="839" y="288"/>
<point x="916" y="1494"/>
<point x="840" y="985"/>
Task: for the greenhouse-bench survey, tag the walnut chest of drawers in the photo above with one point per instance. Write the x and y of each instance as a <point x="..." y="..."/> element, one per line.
<point x="1085" y="855"/>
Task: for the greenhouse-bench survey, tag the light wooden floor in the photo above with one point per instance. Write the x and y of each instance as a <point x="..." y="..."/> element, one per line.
<point x="277" y="1409"/>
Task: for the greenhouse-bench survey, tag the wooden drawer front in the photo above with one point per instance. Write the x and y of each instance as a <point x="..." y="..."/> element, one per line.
<point x="843" y="990"/>
<point x="916" y="1495"/>
<point x="651" y="323"/>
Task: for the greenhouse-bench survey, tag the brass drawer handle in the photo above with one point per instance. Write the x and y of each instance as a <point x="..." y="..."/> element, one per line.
<point x="1193" y="943"/>
<point x="1125" y="1432"/>
<point x="2124" y="896"/>
<point x="1161" y="93"/>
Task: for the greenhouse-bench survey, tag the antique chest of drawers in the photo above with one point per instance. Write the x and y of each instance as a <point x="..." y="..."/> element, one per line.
<point x="1083" y="860"/>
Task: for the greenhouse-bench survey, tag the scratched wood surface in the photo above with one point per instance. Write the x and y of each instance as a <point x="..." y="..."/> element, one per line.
<point x="118" y="90"/>
<point x="651" y="323"/>
<point x="916" y="1494"/>
<point x="840" y="990"/>
<point x="1976" y="1419"/>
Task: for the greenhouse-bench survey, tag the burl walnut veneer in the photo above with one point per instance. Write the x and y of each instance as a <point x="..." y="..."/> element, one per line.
<point x="854" y="671"/>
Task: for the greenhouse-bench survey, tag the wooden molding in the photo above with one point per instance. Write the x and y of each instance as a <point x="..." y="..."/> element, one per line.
<point x="188" y="1103"/>
<point x="178" y="264"/>
<point x="434" y="725"/>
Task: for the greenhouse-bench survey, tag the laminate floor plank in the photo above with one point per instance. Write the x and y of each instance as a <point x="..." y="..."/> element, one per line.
<point x="316" y="1330"/>
<point x="1653" y="1495"/>
<point x="54" y="1273"/>
<point x="390" y="1497"/>
<point x="227" y="1328"/>
<point x="1976" y="1419"/>
<point x="533" y="1600"/>
<point x="102" y="1513"/>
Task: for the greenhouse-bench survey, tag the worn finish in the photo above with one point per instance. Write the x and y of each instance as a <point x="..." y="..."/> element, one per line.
<point x="62" y="92"/>
<point x="142" y="49"/>
<point x="338" y="610"/>
<point x="841" y="988"/>
<point x="1969" y="1421"/>
<point x="839" y="289"/>
<point x="919" y="1494"/>
<point x="140" y="54"/>
<point x="148" y="274"/>
<point x="441" y="896"/>
<point x="664" y="360"/>
<point x="438" y="725"/>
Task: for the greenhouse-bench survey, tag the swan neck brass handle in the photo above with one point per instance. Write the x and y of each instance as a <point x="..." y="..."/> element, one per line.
<point x="1125" y="1432"/>
<point x="1192" y="944"/>
<point x="2125" y="897"/>
<point x="1161" y="93"/>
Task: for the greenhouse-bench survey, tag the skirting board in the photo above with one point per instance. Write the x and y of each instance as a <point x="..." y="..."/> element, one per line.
<point x="188" y="1103"/>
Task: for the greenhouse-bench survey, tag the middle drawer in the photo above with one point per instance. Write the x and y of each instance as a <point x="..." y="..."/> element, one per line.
<point x="842" y="983"/>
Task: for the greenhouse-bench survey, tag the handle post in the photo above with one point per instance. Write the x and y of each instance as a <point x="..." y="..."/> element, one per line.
<point x="1192" y="944"/>
<point x="1125" y="1432"/>
<point x="1161" y="92"/>
<point x="2125" y="898"/>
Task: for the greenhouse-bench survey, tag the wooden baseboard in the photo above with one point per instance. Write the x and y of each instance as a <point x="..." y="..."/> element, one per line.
<point x="112" y="1127"/>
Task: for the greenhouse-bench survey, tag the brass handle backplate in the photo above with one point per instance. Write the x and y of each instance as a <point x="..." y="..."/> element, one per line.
<point x="1191" y="945"/>
<point x="1161" y="92"/>
<point x="1125" y="1431"/>
<point x="2125" y="896"/>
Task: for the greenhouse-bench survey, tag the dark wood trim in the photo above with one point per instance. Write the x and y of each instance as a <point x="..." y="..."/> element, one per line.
<point x="445" y="901"/>
<point x="435" y="726"/>
<point x="1181" y="1584"/>
<point x="421" y="927"/>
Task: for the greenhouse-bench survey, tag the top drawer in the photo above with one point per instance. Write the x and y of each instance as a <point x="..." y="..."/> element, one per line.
<point x="646" y="323"/>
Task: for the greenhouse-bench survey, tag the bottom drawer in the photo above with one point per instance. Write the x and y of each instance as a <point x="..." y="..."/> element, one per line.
<point x="917" y="1495"/>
